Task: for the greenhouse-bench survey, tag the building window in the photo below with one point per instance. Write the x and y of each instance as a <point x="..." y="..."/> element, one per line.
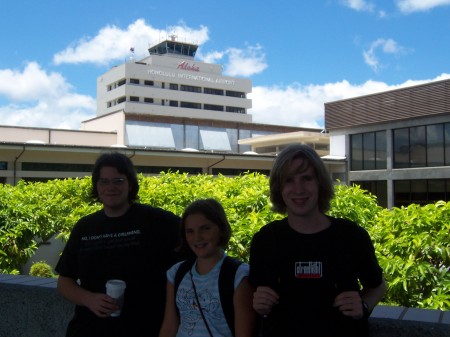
<point x="134" y="99"/>
<point x="3" y="165"/>
<point x="235" y="94"/>
<point x="173" y="103"/>
<point x="173" y="86"/>
<point x="48" y="167"/>
<point x="191" y="139"/>
<point x="368" y="151"/>
<point x="146" y="82"/>
<point x="190" y="105"/>
<point x="134" y="81"/>
<point x="422" y="146"/>
<point x="121" y="82"/>
<point x="213" y="107"/>
<point x="190" y="88"/>
<point x="148" y="100"/>
<point x="378" y="188"/>
<point x="121" y="100"/>
<point x="418" y="147"/>
<point x="421" y="191"/>
<point x="235" y="109"/>
<point x="212" y="91"/>
<point x="435" y="145"/>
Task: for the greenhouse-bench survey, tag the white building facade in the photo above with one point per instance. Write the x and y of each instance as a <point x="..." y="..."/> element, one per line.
<point x="168" y="112"/>
<point x="169" y="100"/>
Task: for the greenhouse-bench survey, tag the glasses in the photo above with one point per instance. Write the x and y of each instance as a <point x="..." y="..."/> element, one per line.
<point x="114" y="181"/>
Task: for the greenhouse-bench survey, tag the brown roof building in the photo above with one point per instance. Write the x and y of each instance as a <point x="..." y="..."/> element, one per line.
<point x="397" y="143"/>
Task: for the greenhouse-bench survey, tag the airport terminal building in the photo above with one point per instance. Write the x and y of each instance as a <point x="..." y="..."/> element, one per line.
<point x="168" y="112"/>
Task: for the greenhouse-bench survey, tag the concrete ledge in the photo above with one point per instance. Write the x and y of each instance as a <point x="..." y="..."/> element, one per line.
<point x="387" y="321"/>
<point x="31" y="307"/>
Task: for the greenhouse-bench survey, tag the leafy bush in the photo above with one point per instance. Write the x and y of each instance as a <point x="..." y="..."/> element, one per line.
<point x="41" y="269"/>
<point x="414" y="251"/>
<point x="411" y="243"/>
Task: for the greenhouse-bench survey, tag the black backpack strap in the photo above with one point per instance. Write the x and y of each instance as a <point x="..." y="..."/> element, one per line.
<point x="184" y="267"/>
<point x="226" y="288"/>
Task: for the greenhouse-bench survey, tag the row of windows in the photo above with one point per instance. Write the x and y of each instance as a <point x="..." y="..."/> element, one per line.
<point x="181" y="87"/>
<point x="179" y="136"/>
<point x="132" y="81"/>
<point x="406" y="192"/>
<point x="191" y="105"/>
<point x="48" y="167"/>
<point x="420" y="146"/>
<point x="191" y="88"/>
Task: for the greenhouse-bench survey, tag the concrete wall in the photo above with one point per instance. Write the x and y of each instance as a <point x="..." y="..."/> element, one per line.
<point x="31" y="307"/>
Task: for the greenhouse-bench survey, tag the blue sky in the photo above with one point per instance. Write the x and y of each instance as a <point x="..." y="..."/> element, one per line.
<point x="298" y="53"/>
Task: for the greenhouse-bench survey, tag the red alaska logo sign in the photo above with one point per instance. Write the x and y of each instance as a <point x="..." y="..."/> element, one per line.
<point x="186" y="66"/>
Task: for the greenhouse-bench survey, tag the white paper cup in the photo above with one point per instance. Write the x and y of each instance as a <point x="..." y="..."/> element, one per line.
<point x="116" y="289"/>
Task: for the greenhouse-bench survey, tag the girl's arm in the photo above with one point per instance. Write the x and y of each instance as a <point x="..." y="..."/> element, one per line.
<point x="171" y="320"/>
<point x="244" y="315"/>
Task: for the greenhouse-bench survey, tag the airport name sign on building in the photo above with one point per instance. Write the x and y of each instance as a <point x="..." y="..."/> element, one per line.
<point x="185" y="66"/>
<point x="191" y="77"/>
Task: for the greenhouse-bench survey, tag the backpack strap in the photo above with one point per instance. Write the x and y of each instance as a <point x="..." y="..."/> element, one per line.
<point x="184" y="267"/>
<point x="226" y="288"/>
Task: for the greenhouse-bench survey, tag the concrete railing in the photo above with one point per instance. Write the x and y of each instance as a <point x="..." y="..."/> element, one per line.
<point x="31" y="307"/>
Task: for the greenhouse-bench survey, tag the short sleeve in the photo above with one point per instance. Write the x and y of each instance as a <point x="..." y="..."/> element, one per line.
<point x="241" y="273"/>
<point x="170" y="274"/>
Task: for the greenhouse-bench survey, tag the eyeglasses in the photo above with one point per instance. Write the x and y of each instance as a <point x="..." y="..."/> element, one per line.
<point x="114" y="181"/>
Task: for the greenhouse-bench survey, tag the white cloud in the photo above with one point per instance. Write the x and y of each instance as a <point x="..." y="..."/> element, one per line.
<point x="359" y="5"/>
<point x="245" y="62"/>
<point x="239" y="62"/>
<point x="387" y="46"/>
<point x="410" y="6"/>
<point x="41" y="99"/>
<point x="212" y="57"/>
<point x="297" y="105"/>
<point x="33" y="83"/>
<point x="113" y="43"/>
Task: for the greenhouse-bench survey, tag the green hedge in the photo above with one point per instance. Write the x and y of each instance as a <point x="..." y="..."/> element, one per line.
<point x="412" y="244"/>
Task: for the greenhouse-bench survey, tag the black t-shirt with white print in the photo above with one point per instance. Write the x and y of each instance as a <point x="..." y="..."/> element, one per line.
<point x="308" y="271"/>
<point x="138" y="248"/>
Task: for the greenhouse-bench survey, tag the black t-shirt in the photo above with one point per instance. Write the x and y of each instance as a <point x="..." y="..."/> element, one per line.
<point x="308" y="271"/>
<point x="138" y="248"/>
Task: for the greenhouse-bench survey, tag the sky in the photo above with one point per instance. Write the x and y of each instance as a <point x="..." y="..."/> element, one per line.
<point x="299" y="54"/>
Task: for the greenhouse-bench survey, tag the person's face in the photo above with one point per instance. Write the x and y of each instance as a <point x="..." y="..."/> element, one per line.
<point x="113" y="188"/>
<point x="202" y="235"/>
<point x="300" y="190"/>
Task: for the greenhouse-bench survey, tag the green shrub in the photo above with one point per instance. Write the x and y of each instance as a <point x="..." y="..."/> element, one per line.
<point x="411" y="243"/>
<point x="41" y="269"/>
